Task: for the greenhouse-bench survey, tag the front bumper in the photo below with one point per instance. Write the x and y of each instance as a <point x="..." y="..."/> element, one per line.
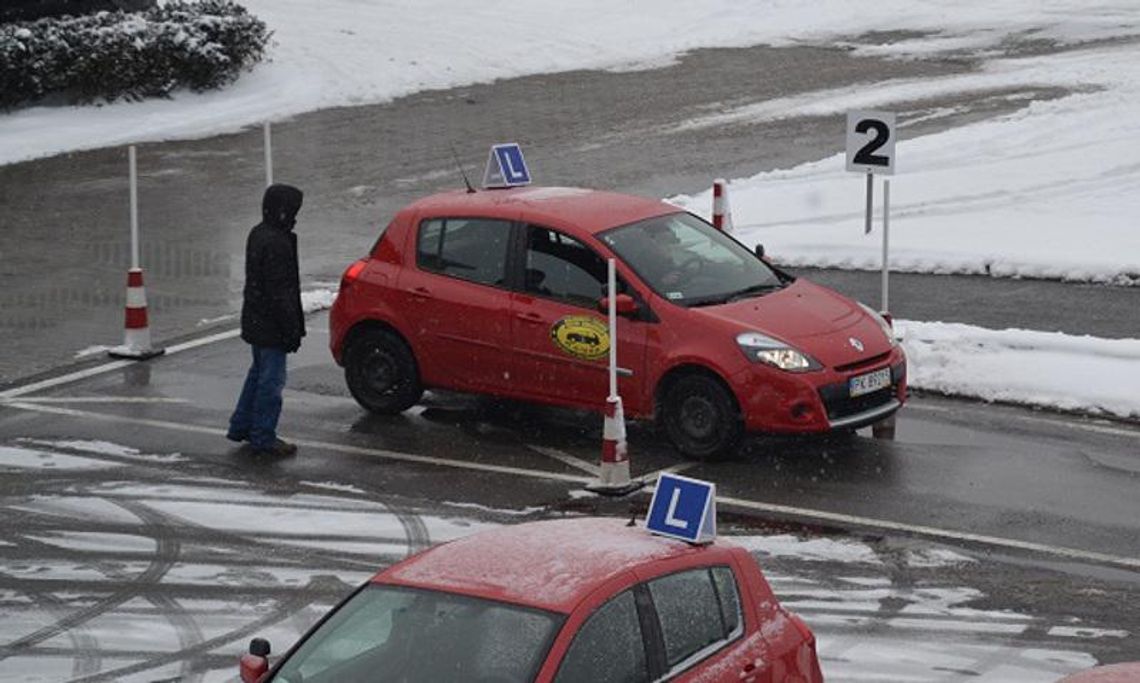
<point x="800" y="403"/>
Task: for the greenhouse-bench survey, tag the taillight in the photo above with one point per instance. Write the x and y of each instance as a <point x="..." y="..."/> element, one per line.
<point x="352" y="273"/>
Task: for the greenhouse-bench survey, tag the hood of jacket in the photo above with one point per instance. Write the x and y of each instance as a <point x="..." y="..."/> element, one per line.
<point x="280" y="205"/>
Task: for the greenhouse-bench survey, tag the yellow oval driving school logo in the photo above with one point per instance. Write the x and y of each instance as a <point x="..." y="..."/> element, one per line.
<point x="581" y="337"/>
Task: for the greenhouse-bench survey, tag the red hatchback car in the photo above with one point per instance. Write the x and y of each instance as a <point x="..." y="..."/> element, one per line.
<point x="499" y="292"/>
<point x="567" y="601"/>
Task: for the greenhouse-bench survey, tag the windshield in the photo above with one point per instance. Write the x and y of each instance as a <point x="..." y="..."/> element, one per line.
<point x="689" y="262"/>
<point x="385" y="633"/>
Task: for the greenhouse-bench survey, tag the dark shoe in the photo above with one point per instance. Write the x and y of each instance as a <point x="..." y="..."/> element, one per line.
<point x="232" y="436"/>
<point x="277" y="449"/>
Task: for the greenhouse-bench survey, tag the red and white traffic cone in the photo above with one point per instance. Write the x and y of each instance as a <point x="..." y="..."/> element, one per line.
<point x="136" y="337"/>
<point x="613" y="479"/>
<point x="721" y="215"/>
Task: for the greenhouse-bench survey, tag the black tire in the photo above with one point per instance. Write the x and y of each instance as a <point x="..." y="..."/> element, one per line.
<point x="381" y="372"/>
<point x="700" y="417"/>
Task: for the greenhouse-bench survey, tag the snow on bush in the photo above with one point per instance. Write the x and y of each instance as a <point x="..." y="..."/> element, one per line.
<point x="122" y="55"/>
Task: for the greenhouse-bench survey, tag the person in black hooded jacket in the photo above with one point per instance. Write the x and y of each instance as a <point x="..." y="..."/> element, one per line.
<point x="272" y="321"/>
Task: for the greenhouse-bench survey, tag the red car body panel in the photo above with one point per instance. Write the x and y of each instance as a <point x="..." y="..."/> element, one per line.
<point x="491" y="339"/>
<point x="575" y="566"/>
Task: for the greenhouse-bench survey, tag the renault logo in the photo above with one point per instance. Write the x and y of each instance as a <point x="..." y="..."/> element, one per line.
<point x="855" y="343"/>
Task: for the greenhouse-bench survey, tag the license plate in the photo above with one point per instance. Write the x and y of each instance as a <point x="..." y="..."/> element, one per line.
<point x="872" y="381"/>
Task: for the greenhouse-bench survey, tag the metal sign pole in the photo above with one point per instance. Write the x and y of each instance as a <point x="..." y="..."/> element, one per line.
<point x="268" y="155"/>
<point x="134" y="173"/>
<point x="870" y="193"/>
<point x="886" y="229"/>
<point x="612" y="291"/>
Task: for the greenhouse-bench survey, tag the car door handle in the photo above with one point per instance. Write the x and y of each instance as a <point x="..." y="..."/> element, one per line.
<point x="533" y="318"/>
<point x="421" y="293"/>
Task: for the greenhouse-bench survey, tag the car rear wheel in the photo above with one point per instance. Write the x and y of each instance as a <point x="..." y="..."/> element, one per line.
<point x="381" y="372"/>
<point x="700" y="417"/>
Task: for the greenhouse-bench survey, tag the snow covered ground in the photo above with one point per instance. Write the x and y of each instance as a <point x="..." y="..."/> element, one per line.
<point x="1052" y="190"/>
<point x="345" y="52"/>
<point x="1046" y="369"/>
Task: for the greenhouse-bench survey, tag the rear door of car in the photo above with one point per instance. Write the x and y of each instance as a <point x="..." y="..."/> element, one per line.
<point x="559" y="339"/>
<point x="457" y="297"/>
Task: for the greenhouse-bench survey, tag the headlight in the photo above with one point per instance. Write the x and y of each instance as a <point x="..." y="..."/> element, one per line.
<point x="886" y="327"/>
<point x="764" y="349"/>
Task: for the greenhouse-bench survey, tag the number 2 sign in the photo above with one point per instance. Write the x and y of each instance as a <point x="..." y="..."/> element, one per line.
<point x="871" y="142"/>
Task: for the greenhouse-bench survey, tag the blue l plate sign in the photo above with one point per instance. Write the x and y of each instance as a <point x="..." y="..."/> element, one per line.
<point x="506" y="167"/>
<point x="683" y="508"/>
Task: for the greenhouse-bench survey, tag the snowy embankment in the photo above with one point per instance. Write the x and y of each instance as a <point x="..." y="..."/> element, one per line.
<point x="1047" y="369"/>
<point x="1050" y="191"/>
<point x="346" y="52"/>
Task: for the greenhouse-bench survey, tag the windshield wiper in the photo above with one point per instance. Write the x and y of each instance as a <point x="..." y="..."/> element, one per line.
<point x="751" y="291"/>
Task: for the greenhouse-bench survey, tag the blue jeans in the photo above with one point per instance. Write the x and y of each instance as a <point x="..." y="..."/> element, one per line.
<point x="259" y="407"/>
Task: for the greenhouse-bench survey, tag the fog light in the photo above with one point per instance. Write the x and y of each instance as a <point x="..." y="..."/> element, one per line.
<point x="800" y="410"/>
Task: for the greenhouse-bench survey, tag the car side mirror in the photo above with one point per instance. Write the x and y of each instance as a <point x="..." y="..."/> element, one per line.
<point x="624" y="304"/>
<point x="759" y="249"/>
<point x="255" y="665"/>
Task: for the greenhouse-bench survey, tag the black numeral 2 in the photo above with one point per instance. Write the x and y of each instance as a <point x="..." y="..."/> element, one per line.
<point x="882" y="134"/>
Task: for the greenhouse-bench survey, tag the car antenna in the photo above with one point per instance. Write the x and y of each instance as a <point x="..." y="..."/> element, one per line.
<point x="470" y="190"/>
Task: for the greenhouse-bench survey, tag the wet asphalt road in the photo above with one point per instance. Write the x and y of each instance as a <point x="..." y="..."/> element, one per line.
<point x="166" y="559"/>
<point x="64" y="220"/>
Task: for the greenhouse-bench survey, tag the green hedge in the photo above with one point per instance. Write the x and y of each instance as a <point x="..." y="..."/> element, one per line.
<point x="30" y="10"/>
<point x="122" y="55"/>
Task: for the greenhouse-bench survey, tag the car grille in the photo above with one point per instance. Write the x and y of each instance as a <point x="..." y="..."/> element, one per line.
<point x="865" y="363"/>
<point x="839" y="403"/>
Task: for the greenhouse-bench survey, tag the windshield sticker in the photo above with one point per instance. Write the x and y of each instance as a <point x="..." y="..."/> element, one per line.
<point x="581" y="337"/>
<point x="674" y="296"/>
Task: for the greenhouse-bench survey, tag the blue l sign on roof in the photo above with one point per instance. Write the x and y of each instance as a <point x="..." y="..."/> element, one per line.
<point x="506" y="167"/>
<point x="683" y="508"/>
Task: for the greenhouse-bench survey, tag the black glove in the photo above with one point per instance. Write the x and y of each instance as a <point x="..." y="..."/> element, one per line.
<point x="293" y="345"/>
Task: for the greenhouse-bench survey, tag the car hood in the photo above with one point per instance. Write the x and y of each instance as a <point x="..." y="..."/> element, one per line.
<point x="816" y="320"/>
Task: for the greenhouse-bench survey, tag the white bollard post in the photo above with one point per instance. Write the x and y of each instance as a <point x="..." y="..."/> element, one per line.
<point x="268" y="155"/>
<point x="613" y="479"/>
<point x="136" y="333"/>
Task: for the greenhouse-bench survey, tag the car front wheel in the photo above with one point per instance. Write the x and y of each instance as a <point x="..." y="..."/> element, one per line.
<point x="381" y="372"/>
<point x="700" y="417"/>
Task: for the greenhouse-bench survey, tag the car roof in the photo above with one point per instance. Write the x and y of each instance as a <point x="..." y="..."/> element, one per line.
<point x="590" y="210"/>
<point x="551" y="565"/>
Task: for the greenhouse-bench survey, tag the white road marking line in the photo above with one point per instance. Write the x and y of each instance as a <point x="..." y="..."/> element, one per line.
<point x="651" y="478"/>
<point x="1079" y="632"/>
<point x="803" y="513"/>
<point x="93" y="399"/>
<point x="1059" y="421"/>
<point x="342" y="448"/>
<point x="934" y="532"/>
<point x="568" y="459"/>
<point x="112" y="366"/>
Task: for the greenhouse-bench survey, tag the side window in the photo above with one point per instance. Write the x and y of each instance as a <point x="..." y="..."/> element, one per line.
<point x="729" y="597"/>
<point x="690" y="612"/>
<point x="608" y="648"/>
<point x="561" y="267"/>
<point x="469" y="248"/>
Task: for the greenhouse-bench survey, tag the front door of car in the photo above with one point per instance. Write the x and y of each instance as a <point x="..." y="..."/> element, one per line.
<point x="560" y="341"/>
<point x="458" y="302"/>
